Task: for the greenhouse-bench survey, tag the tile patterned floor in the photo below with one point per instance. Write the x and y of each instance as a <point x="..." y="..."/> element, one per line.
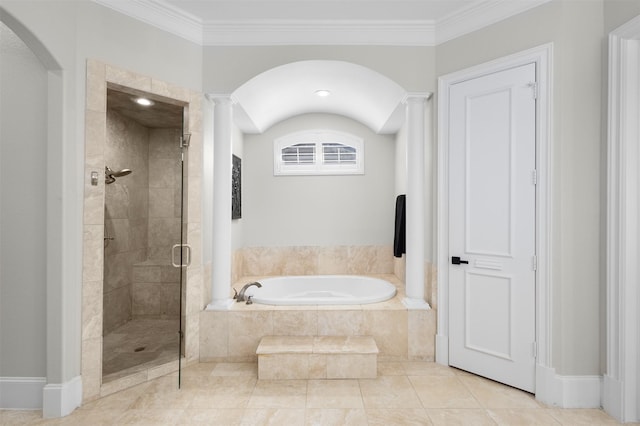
<point x="405" y="393"/>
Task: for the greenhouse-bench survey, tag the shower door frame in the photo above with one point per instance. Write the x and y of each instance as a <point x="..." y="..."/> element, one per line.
<point x="99" y="77"/>
<point x="183" y="264"/>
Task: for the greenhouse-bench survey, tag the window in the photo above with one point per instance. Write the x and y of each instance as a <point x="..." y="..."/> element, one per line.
<point x="337" y="153"/>
<point x="300" y="153"/>
<point x="318" y="152"/>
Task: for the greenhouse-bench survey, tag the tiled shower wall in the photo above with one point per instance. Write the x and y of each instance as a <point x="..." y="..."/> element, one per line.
<point x="156" y="283"/>
<point x="164" y="193"/>
<point x="126" y="215"/>
<point x="142" y="216"/>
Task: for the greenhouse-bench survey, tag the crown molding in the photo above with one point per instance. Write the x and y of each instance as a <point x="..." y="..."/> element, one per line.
<point x="479" y="15"/>
<point x="318" y="32"/>
<point x="270" y="32"/>
<point x="159" y="14"/>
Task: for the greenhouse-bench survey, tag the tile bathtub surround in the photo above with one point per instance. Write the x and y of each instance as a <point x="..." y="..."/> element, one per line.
<point x="400" y="334"/>
<point x="312" y="260"/>
<point x="404" y="393"/>
<point x="332" y="260"/>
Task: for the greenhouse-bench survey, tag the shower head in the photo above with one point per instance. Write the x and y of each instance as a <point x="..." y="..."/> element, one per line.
<point x="110" y="176"/>
<point x="121" y="173"/>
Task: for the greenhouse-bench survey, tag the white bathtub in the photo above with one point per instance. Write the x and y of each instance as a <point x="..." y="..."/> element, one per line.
<point x="321" y="290"/>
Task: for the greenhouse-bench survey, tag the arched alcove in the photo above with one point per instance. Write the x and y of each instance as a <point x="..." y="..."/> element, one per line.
<point x="296" y="89"/>
<point x="350" y="90"/>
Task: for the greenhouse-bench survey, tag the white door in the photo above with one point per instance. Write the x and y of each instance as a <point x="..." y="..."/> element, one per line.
<point x="492" y="226"/>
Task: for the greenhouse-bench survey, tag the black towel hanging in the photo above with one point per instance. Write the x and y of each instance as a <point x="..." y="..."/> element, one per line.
<point x="399" y="238"/>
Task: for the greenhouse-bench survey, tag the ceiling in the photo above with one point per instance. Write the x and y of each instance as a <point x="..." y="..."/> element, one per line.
<point x="288" y="90"/>
<point x="355" y="91"/>
<point x="158" y="115"/>
<point x="215" y="10"/>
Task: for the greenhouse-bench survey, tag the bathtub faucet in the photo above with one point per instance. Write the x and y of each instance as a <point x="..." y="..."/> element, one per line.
<point x="240" y="297"/>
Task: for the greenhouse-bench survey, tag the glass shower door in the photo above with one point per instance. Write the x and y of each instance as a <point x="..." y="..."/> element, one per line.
<point x="181" y="253"/>
<point x="145" y="215"/>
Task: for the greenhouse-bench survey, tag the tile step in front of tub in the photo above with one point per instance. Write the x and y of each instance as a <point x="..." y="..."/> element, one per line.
<point x="317" y="357"/>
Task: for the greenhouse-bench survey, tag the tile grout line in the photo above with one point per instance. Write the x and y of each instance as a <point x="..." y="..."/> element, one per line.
<point x="426" y="410"/>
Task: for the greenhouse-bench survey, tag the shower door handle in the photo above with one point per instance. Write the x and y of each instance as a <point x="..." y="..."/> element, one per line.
<point x="186" y="259"/>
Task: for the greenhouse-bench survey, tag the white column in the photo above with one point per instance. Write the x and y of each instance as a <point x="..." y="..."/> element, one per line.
<point x="415" y="208"/>
<point x="222" y="163"/>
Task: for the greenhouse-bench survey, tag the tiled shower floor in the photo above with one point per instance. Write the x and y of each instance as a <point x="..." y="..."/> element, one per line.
<point x="138" y="345"/>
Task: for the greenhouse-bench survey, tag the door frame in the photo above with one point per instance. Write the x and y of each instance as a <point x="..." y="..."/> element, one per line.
<point x="621" y="383"/>
<point x="542" y="56"/>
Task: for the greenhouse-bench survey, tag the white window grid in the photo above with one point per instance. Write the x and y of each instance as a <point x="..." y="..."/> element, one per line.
<point x="301" y="153"/>
<point x="318" y="152"/>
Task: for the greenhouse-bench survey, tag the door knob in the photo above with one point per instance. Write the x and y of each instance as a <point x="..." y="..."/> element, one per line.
<point x="455" y="260"/>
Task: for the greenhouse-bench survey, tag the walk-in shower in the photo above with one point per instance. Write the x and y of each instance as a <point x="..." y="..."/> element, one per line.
<point x="142" y="221"/>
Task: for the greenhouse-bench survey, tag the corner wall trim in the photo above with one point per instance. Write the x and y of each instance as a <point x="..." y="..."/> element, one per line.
<point x="621" y="397"/>
<point x="612" y="397"/>
<point x="21" y="393"/>
<point x="442" y="349"/>
<point x="567" y="391"/>
<point x="60" y="399"/>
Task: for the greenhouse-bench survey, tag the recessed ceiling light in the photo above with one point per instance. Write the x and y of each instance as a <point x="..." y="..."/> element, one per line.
<point x="143" y="101"/>
<point x="323" y="92"/>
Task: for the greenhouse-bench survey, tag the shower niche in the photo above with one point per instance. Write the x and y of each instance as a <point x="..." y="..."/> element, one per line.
<point x="143" y="220"/>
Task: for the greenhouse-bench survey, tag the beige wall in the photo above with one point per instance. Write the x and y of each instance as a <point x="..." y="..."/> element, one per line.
<point x="23" y="144"/>
<point x="318" y="210"/>
<point x="227" y="68"/>
<point x="617" y="12"/>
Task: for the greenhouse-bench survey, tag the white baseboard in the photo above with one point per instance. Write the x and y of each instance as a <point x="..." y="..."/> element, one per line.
<point x="567" y="391"/>
<point x="21" y="393"/>
<point x="60" y="399"/>
<point x="612" y="394"/>
<point x="442" y="349"/>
